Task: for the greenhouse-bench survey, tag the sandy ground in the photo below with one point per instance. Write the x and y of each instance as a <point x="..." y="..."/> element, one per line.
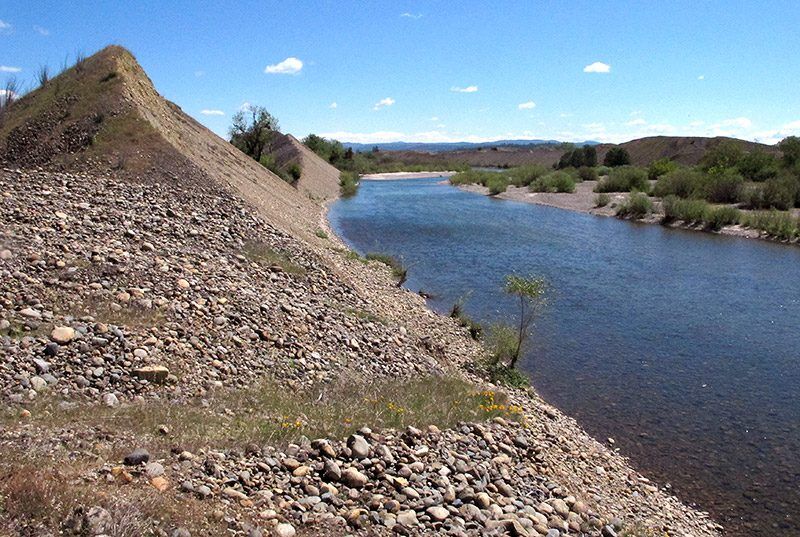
<point x="582" y="200"/>
<point x="404" y="175"/>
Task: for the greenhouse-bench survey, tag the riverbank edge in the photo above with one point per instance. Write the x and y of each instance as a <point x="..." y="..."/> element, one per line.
<point x="730" y="231"/>
<point x="619" y="486"/>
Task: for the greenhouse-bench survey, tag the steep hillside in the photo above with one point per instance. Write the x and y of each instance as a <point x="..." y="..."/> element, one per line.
<point x="318" y="179"/>
<point x="105" y="115"/>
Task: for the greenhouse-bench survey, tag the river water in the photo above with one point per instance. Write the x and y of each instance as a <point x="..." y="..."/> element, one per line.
<point x="682" y="346"/>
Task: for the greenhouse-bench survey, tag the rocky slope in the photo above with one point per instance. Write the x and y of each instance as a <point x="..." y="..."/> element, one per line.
<point x="182" y="354"/>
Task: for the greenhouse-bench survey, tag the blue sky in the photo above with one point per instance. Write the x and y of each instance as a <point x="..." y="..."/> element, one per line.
<point x="446" y="71"/>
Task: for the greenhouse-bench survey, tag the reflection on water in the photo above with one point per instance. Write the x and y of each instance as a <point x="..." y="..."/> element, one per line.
<point x="683" y="346"/>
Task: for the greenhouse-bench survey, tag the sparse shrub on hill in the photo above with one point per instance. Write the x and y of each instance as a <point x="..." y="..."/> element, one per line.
<point x="624" y="179"/>
<point x="348" y="184"/>
<point x="617" y="156"/>
<point x="637" y="205"/>
<point x="295" y="172"/>
<point x="398" y="270"/>
<point x="457" y="312"/>
<point x="554" y="182"/>
<point x="660" y="167"/>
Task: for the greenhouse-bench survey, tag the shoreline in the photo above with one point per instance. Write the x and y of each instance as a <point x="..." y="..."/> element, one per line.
<point x="582" y="201"/>
<point x="621" y="484"/>
<point x="388" y="176"/>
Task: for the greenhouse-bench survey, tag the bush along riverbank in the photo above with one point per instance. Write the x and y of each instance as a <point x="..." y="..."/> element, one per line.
<point x="755" y="194"/>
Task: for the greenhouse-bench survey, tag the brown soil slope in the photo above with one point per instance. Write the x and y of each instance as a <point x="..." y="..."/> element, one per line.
<point x="104" y="114"/>
<point x="318" y="179"/>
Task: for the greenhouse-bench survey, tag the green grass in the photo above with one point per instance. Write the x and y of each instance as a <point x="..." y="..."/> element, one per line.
<point x="321" y="234"/>
<point x="777" y="224"/>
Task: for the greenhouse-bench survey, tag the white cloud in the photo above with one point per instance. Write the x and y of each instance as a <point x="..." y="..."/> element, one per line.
<point x="737" y="122"/>
<point x="198" y="74"/>
<point x="408" y="15"/>
<point x="388" y="101"/>
<point x="9" y="69"/>
<point x="661" y="128"/>
<point x="529" y="105"/>
<point x="41" y="31"/>
<point x="637" y="121"/>
<point x="597" y="67"/>
<point x="701" y="77"/>
<point x="595" y="127"/>
<point x="437" y="136"/>
<point x="4" y="26"/>
<point x="435" y="118"/>
<point x="211" y="112"/>
<point x="697" y="123"/>
<point x="792" y="126"/>
<point x="289" y="66"/>
<point x="334" y="104"/>
<point x="245" y="105"/>
<point x="468" y="89"/>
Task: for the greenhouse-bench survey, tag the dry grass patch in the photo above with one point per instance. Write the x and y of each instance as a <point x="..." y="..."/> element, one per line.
<point x="41" y="497"/>
<point x="272" y="414"/>
<point x="258" y="252"/>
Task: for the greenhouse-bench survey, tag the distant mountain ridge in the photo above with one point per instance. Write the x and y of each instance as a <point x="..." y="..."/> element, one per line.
<point x="438" y="147"/>
<point x="686" y="150"/>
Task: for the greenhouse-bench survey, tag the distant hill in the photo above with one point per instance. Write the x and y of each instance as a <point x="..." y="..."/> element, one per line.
<point x="451" y="146"/>
<point x="686" y="150"/>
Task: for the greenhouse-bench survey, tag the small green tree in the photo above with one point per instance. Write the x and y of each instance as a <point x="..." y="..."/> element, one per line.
<point x="725" y="154"/>
<point x="252" y="130"/>
<point x="790" y="147"/>
<point x="617" y="156"/>
<point x="531" y="293"/>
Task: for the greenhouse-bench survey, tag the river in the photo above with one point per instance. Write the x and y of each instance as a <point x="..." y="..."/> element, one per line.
<point x="682" y="346"/>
